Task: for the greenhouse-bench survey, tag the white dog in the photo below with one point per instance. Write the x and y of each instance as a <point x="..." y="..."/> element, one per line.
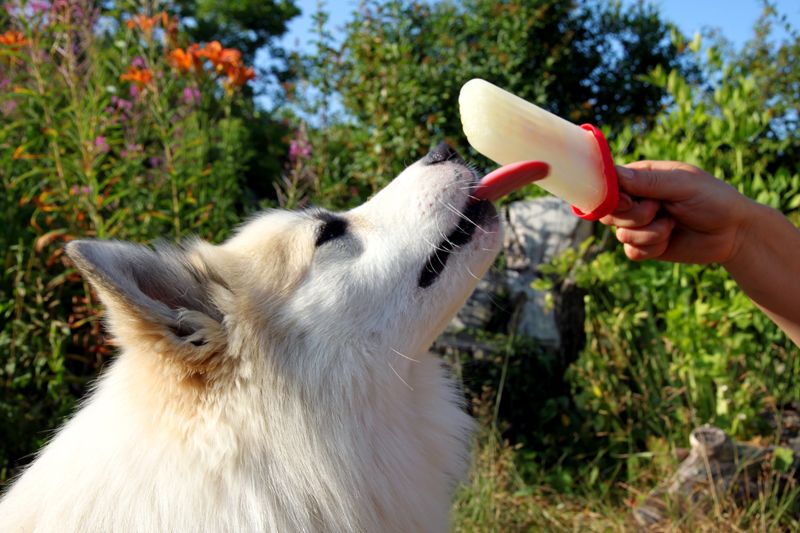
<point x="279" y="381"/>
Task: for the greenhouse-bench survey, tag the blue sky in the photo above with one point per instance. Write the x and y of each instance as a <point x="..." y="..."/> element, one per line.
<point x="733" y="17"/>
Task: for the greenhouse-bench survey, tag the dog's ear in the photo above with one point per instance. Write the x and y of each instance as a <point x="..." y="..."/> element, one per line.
<point x="156" y="295"/>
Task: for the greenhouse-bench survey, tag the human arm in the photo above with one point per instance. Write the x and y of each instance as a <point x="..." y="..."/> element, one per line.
<point x="676" y="212"/>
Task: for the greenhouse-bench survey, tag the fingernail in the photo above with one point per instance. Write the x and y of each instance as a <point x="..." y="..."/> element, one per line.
<point x="624" y="203"/>
<point x="624" y="173"/>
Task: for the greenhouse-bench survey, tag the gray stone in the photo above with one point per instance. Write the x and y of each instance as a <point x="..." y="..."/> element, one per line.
<point x="716" y="467"/>
<point x="536" y="231"/>
<point x="479" y="310"/>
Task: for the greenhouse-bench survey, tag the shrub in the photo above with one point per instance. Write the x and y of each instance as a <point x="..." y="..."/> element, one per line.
<point x="383" y="94"/>
<point x="674" y="346"/>
<point x="113" y="127"/>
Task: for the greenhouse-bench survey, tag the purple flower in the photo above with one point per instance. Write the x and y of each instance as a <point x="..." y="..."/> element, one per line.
<point x="299" y="149"/>
<point x="8" y="107"/>
<point x="84" y="189"/>
<point x="191" y="96"/>
<point x="11" y="8"/>
<point x="135" y="91"/>
<point x="130" y="150"/>
<point x="38" y="6"/>
<point x="138" y="62"/>
<point x="154" y="162"/>
<point x="101" y="145"/>
<point x="122" y="104"/>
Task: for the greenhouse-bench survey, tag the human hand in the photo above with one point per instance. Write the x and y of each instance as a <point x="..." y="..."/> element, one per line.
<point x="676" y="212"/>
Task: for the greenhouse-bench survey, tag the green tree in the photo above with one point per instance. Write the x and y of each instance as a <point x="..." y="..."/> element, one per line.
<point x="397" y="72"/>
<point x="774" y="67"/>
<point x="674" y="346"/>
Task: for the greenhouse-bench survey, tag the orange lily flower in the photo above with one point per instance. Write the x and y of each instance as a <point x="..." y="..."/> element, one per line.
<point x="182" y="60"/>
<point x="211" y="51"/>
<point x="13" y="38"/>
<point x="239" y="76"/>
<point x="230" y="58"/>
<point x="170" y="25"/>
<point x="143" y="22"/>
<point x="194" y="51"/>
<point x="138" y="76"/>
<point x="227" y="60"/>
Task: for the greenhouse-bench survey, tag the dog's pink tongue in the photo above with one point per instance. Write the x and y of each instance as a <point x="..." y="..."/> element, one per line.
<point x="508" y="178"/>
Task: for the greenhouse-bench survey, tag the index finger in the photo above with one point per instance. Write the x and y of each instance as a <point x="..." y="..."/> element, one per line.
<point x="661" y="180"/>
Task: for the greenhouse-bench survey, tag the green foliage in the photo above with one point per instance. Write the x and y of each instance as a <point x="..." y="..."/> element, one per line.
<point x="388" y="91"/>
<point x="101" y="137"/>
<point x="84" y="153"/>
<point x="674" y="346"/>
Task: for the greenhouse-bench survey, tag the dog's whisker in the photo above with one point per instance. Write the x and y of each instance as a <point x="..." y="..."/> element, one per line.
<point x="435" y="246"/>
<point x="469" y="271"/>
<point x="445" y="239"/>
<point x="462" y="215"/>
<point x="449" y="206"/>
<point x="404" y="356"/>
<point x="400" y="377"/>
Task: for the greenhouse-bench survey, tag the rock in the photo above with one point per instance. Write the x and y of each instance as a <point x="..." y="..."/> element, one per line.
<point x="481" y="307"/>
<point x="535" y="231"/>
<point x="785" y="422"/>
<point x="716" y="467"/>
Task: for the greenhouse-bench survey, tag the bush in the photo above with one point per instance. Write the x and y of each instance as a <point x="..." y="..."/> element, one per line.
<point x="675" y="346"/>
<point x="112" y="128"/>
<point x="380" y="97"/>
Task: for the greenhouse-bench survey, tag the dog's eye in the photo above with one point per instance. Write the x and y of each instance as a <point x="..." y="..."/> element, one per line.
<point x="331" y="229"/>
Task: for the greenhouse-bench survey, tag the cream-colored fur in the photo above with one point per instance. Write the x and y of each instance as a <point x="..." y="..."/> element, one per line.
<point x="269" y="384"/>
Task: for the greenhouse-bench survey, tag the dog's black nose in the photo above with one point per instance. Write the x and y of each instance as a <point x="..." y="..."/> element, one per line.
<point x="442" y="152"/>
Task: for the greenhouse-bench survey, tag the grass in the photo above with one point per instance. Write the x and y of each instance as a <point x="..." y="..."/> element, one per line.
<point x="504" y="493"/>
<point x="497" y="497"/>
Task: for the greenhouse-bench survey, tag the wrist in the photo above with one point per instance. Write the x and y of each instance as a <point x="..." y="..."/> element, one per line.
<point x="749" y="234"/>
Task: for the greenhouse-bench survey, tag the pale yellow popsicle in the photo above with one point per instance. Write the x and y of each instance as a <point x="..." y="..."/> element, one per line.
<point x="507" y="129"/>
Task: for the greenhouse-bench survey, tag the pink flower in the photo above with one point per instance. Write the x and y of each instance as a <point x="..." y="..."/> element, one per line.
<point x="39" y="7"/>
<point x="84" y="189"/>
<point x="299" y="149"/>
<point x="101" y="145"/>
<point x="122" y="104"/>
<point x="138" y="62"/>
<point x="8" y="107"/>
<point x="131" y="150"/>
<point x="191" y="96"/>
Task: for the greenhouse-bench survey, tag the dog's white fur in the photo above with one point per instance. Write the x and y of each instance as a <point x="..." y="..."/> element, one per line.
<point x="266" y="384"/>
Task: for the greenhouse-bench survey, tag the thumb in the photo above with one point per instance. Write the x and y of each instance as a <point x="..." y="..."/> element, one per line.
<point x="661" y="180"/>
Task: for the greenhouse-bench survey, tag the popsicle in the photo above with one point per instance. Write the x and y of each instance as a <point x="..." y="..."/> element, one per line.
<point x="509" y="130"/>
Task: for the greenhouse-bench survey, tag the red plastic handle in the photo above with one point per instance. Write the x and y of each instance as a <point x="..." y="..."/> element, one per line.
<point x="609" y="203"/>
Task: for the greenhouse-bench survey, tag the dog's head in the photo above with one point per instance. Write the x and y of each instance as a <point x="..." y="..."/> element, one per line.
<point x="380" y="279"/>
